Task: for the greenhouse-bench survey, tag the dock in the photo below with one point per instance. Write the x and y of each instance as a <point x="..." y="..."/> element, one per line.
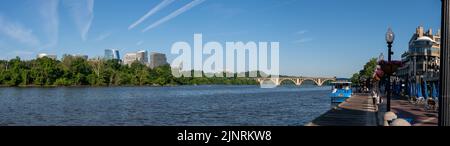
<point x="358" y="110"/>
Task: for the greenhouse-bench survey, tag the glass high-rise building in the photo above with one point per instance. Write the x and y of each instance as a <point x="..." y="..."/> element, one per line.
<point x="112" y="54"/>
<point x="142" y="56"/>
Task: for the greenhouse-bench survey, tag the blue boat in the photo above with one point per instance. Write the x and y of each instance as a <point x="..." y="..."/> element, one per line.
<point x="341" y="91"/>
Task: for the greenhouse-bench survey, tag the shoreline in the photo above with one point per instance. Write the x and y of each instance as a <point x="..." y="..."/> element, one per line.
<point x="112" y="86"/>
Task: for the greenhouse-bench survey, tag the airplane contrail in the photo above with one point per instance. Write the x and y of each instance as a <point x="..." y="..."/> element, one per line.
<point x="158" y="7"/>
<point x="174" y="14"/>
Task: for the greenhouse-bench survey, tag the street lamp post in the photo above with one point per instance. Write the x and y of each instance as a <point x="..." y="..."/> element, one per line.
<point x="390" y="37"/>
<point x="444" y="94"/>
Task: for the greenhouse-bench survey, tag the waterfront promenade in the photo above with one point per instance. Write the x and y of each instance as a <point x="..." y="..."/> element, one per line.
<point x="359" y="110"/>
<point x="416" y="113"/>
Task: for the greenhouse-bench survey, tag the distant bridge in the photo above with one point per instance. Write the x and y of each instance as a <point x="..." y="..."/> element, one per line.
<point x="319" y="81"/>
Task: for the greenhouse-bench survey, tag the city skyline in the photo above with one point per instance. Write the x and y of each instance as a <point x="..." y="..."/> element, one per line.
<point x="316" y="38"/>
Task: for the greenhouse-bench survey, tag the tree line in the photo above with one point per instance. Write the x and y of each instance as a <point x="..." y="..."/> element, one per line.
<point x="366" y="72"/>
<point x="77" y="71"/>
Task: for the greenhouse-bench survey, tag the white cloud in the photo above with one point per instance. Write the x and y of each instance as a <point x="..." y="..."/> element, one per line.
<point x="174" y="14"/>
<point x="48" y="12"/>
<point x="82" y="12"/>
<point x="139" y="43"/>
<point x="303" y="40"/>
<point x="155" y="9"/>
<point x="17" y="32"/>
<point x="302" y="32"/>
<point x="103" y="36"/>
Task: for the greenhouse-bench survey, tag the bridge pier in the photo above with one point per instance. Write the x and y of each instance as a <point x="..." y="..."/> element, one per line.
<point x="298" y="82"/>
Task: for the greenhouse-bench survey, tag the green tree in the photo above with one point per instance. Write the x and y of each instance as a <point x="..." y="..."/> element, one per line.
<point x="14" y="72"/>
<point x="355" y="78"/>
<point x="45" y="71"/>
<point x="369" y="68"/>
<point x="73" y="70"/>
<point x="367" y="71"/>
<point x="77" y="69"/>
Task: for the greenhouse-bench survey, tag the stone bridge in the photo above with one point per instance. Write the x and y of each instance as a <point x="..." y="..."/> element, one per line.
<point x="319" y="81"/>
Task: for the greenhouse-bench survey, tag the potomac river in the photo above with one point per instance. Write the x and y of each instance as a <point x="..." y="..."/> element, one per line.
<point x="206" y="105"/>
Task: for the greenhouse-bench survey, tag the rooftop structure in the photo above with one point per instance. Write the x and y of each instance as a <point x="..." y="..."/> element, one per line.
<point x="158" y="59"/>
<point x="41" y="55"/>
<point x="421" y="61"/>
<point x="140" y="56"/>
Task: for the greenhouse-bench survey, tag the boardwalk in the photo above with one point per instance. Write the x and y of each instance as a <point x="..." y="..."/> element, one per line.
<point x="418" y="114"/>
<point x="358" y="110"/>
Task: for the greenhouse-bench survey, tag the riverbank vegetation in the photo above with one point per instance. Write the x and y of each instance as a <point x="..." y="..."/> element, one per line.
<point x="76" y="71"/>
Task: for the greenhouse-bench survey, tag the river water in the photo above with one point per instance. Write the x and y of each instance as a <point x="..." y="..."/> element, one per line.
<point x="214" y="105"/>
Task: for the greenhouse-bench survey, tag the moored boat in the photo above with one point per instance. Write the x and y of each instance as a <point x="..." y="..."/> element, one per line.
<point x="341" y="91"/>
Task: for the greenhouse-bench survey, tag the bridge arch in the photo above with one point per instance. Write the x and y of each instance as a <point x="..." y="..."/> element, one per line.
<point x="262" y="81"/>
<point x="288" y="80"/>
<point x="319" y="81"/>
<point x="310" y="79"/>
<point x="325" y="80"/>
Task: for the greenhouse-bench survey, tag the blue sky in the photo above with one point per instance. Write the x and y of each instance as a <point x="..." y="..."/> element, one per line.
<point x="317" y="38"/>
